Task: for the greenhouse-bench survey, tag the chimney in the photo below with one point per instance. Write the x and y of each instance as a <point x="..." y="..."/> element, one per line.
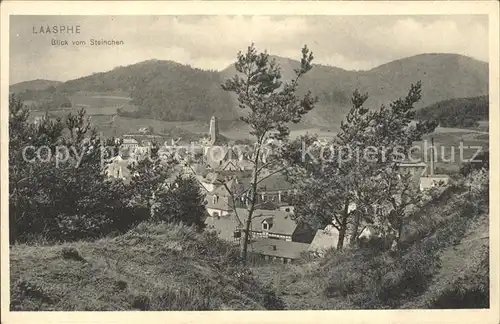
<point x="432" y="157"/>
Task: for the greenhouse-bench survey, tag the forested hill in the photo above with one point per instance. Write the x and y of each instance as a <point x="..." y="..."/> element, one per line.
<point x="163" y="90"/>
<point x="443" y="76"/>
<point x="34" y="85"/>
<point x="459" y="112"/>
<point x="168" y="90"/>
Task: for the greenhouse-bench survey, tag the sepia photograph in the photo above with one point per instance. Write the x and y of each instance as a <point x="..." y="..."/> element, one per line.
<point x="245" y="161"/>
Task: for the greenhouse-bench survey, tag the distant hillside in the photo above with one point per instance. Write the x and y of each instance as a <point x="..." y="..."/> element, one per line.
<point x="33" y="85"/>
<point x="443" y="76"/>
<point x="41" y="94"/>
<point x="162" y="90"/>
<point x="166" y="90"/>
<point x="459" y="112"/>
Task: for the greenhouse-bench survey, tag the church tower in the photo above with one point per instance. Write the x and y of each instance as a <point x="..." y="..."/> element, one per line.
<point x="214" y="130"/>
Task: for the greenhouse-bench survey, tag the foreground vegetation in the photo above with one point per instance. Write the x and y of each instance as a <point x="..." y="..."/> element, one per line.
<point x="60" y="189"/>
<point x="151" y="267"/>
<point x="173" y="267"/>
<point x="444" y="264"/>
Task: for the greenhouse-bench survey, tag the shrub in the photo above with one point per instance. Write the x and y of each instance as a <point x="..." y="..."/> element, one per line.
<point x="121" y="285"/>
<point x="96" y="225"/>
<point x="371" y="279"/>
<point x="140" y="302"/>
<point x="459" y="296"/>
<point x="182" y="202"/>
<point x="71" y="254"/>
<point x="468" y="287"/>
<point x="32" y="291"/>
<point x="273" y="302"/>
<point x="415" y="269"/>
<point x="347" y="273"/>
<point x="375" y="243"/>
<point x="481" y="161"/>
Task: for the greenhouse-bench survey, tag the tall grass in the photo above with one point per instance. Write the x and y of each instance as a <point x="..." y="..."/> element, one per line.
<point x="151" y="267"/>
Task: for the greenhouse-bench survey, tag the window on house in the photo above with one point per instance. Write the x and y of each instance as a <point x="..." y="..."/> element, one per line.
<point x="265" y="226"/>
<point x="287" y="209"/>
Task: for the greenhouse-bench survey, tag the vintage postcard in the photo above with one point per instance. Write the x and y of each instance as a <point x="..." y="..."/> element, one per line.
<point x="249" y="162"/>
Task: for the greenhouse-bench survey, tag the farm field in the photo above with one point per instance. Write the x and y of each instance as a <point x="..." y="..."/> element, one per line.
<point x="95" y="103"/>
<point x="238" y="131"/>
<point x="448" y="149"/>
<point x="102" y="103"/>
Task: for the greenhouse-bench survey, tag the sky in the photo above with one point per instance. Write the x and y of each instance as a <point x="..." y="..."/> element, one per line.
<point x="212" y="42"/>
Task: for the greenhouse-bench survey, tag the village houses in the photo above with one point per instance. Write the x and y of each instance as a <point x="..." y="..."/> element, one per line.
<point x="224" y="175"/>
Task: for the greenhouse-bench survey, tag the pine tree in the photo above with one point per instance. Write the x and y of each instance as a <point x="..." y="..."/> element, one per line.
<point x="183" y="202"/>
<point x="62" y="192"/>
<point x="270" y="106"/>
<point x="149" y="177"/>
<point x="343" y="190"/>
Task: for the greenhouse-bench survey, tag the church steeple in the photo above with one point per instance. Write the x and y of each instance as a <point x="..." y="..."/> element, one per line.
<point x="214" y="130"/>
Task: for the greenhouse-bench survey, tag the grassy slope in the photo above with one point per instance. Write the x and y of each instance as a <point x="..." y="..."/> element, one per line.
<point x="164" y="267"/>
<point x="302" y="286"/>
<point x="160" y="267"/>
<point x="460" y="263"/>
